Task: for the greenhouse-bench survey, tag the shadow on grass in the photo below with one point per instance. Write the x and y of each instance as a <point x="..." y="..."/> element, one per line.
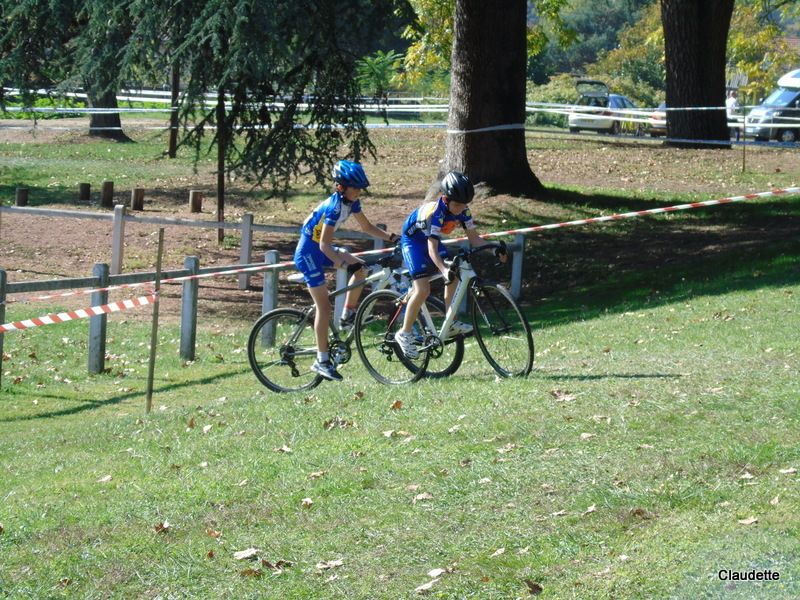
<point x="568" y="377"/>
<point x="95" y="404"/>
<point x="582" y="272"/>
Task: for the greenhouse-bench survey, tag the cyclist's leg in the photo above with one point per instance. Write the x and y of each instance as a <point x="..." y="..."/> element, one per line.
<point x="311" y="262"/>
<point x="418" y="263"/>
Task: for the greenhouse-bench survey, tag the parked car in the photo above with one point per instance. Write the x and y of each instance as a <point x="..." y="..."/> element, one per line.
<point x="588" y="111"/>
<point x="781" y="107"/>
<point x="657" y="121"/>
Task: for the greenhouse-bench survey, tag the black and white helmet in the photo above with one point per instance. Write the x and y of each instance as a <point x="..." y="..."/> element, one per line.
<point x="457" y="186"/>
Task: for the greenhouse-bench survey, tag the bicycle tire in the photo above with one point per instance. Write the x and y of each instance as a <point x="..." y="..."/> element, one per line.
<point x="377" y="320"/>
<point x="281" y="349"/>
<point x="502" y="331"/>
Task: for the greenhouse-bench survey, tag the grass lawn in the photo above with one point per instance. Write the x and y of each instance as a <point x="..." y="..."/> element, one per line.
<point x="656" y="443"/>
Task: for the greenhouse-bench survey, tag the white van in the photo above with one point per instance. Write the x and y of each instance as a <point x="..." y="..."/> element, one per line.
<point x="781" y="107"/>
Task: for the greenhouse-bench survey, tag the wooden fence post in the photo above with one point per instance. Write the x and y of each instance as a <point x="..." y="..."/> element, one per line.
<point x="379" y="244"/>
<point x="195" y="201"/>
<point x="107" y="194"/>
<point x="2" y="318"/>
<point x="137" y="199"/>
<point x="189" y="309"/>
<point x="117" y="239"/>
<point x="84" y="192"/>
<point x="270" y="299"/>
<point x="246" y="251"/>
<point x="98" y="323"/>
<point x="21" y="198"/>
<point x="517" y="258"/>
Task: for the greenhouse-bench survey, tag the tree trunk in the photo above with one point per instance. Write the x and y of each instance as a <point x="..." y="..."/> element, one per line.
<point x="222" y="138"/>
<point x="695" y="37"/>
<point x="487" y="90"/>
<point x="173" y="116"/>
<point x="105" y="125"/>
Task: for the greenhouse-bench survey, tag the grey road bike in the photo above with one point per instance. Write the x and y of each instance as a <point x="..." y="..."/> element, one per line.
<point x="499" y="327"/>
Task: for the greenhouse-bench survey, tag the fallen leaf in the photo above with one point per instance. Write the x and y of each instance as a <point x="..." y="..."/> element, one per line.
<point x="454" y="429"/>
<point x="422" y="497"/>
<point x="242" y="483"/>
<point x="306" y="503"/>
<point x="559" y="513"/>
<point x="316" y="474"/>
<point x="161" y="527"/>
<point x="498" y="552"/>
<point x="276" y="566"/>
<point x="105" y="479"/>
<point x="190" y="424"/>
<point x="534" y="588"/>
<point x="210" y="554"/>
<point x="358" y="396"/>
<point x="789" y="471"/>
<point x="426" y="587"/>
<point x="587" y="436"/>
<point x="2" y="529"/>
<point x="748" y="521"/>
<point x="524" y="550"/>
<point x="251" y="572"/>
<point x="213" y="533"/>
<point x="562" y="396"/>
<point x="249" y="554"/>
<point x="207" y="428"/>
<point x="484" y="481"/>
<point x="623" y="557"/>
<point x="329" y="564"/>
<point x="590" y="510"/>
<point x="746" y="476"/>
<point x="64" y="581"/>
<point x="434" y="573"/>
<point x="507" y="448"/>
<point x="284" y="449"/>
<point x="397" y="405"/>
<point x="203" y="465"/>
<point x="775" y="501"/>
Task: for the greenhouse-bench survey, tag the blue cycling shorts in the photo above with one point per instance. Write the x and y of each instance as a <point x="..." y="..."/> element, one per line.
<point x="311" y="261"/>
<point x="415" y="256"/>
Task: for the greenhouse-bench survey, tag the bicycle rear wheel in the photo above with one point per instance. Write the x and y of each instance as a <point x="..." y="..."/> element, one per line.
<point x="378" y="318"/>
<point x="502" y="331"/>
<point x="281" y="349"/>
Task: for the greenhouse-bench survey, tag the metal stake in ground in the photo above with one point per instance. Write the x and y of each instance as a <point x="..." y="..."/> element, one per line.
<point x="154" y="334"/>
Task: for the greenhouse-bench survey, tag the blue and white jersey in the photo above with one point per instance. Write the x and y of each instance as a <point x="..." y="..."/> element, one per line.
<point x="333" y="212"/>
<point x="432" y="219"/>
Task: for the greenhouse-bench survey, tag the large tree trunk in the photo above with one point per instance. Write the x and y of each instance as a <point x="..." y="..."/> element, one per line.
<point x="487" y="90"/>
<point x="105" y="125"/>
<point x="695" y="37"/>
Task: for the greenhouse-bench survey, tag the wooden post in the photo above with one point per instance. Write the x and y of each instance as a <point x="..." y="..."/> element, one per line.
<point x="378" y="243"/>
<point x="118" y="239"/>
<point x="84" y="192"/>
<point x="517" y="258"/>
<point x="246" y="250"/>
<point x="137" y="199"/>
<point x="189" y="309"/>
<point x="2" y="318"/>
<point x="195" y="201"/>
<point x="21" y="197"/>
<point x="98" y="323"/>
<point x="107" y="194"/>
<point x="270" y="300"/>
<point x="154" y="332"/>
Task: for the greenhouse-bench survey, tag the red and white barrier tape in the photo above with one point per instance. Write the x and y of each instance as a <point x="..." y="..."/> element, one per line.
<point x="83" y="313"/>
<point x="615" y="217"/>
<point x="642" y="213"/>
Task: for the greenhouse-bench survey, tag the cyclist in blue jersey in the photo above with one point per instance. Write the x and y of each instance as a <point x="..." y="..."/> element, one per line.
<point x="424" y="252"/>
<point x="315" y="252"/>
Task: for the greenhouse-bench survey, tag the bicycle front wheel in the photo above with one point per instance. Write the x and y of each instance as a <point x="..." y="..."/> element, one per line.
<point x="502" y="331"/>
<point x="281" y="350"/>
<point x="379" y="317"/>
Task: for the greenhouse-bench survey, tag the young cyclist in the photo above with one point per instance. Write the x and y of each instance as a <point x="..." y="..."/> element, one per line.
<point x="424" y="252"/>
<point x="316" y="252"/>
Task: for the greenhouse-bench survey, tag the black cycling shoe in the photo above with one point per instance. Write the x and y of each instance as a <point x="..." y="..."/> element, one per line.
<point x="327" y="370"/>
<point x="347" y="322"/>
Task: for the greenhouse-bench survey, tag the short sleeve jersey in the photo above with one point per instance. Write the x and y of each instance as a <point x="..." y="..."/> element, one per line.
<point x="432" y="219"/>
<point x="334" y="211"/>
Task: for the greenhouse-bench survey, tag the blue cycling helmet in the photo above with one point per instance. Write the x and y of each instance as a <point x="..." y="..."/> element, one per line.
<point x="350" y="174"/>
<point x="457" y="186"/>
